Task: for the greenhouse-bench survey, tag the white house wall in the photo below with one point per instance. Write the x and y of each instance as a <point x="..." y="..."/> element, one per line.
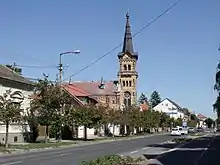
<point x="167" y="107"/>
<point x="16" y="131"/>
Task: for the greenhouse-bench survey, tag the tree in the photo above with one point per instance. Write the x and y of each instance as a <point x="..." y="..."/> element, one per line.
<point x="47" y="104"/>
<point x="186" y="111"/>
<point x="142" y="99"/>
<point x="194" y="118"/>
<point x="216" y="106"/>
<point x="10" y="112"/>
<point x="192" y="123"/>
<point x="209" y="122"/>
<point x="178" y="122"/>
<point x="164" y="120"/>
<point x="113" y="117"/>
<point x="88" y="116"/>
<point x="155" y="99"/>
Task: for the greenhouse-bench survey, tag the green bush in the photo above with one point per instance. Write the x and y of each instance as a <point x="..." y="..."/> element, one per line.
<point x="181" y="140"/>
<point x="113" y="160"/>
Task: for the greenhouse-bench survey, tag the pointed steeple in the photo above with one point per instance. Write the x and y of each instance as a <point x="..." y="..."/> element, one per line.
<point x="128" y="45"/>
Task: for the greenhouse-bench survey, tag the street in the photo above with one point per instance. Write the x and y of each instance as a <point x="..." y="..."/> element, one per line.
<point x="202" y="151"/>
<point x="72" y="156"/>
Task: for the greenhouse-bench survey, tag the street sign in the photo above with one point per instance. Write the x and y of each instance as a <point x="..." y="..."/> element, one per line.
<point x="184" y="124"/>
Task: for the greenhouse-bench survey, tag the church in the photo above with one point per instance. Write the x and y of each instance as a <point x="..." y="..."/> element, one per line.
<point x="116" y="93"/>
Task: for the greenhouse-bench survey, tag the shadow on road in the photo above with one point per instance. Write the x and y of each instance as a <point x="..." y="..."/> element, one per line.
<point x="194" y="152"/>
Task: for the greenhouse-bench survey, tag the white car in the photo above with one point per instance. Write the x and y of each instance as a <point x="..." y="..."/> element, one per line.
<point x="176" y="131"/>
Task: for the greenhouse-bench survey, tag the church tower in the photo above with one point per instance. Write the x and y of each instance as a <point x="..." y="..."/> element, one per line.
<point x="127" y="75"/>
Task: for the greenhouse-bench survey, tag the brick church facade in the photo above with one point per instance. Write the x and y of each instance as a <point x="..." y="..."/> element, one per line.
<point x="117" y="93"/>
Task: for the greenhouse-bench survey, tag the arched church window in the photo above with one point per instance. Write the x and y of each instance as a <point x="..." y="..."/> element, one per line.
<point x="126" y="83"/>
<point x="123" y="83"/>
<point x="125" y="67"/>
<point x="130" y="83"/>
<point x="129" y="67"/>
<point x="127" y="99"/>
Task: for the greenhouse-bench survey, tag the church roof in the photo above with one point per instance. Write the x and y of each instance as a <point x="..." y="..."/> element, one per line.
<point x="127" y="44"/>
<point x="91" y="88"/>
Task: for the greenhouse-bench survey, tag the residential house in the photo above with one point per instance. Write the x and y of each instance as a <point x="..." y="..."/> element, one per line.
<point x="105" y="93"/>
<point x="170" y="108"/>
<point x="144" y="106"/>
<point x="21" y="89"/>
<point x="202" y="119"/>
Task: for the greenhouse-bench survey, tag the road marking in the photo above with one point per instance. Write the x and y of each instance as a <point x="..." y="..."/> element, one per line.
<point x="146" y="148"/>
<point x="18" y="162"/>
<point x="203" y="153"/>
<point x="133" y="152"/>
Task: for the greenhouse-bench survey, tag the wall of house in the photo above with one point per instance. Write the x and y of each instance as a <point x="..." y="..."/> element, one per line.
<point x="168" y="108"/>
<point x="17" y="133"/>
<point x="110" y="100"/>
<point x="91" y="131"/>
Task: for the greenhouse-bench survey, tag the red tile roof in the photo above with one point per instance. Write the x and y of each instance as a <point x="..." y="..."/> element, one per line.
<point x="74" y="90"/>
<point x="144" y="107"/>
<point x="201" y="116"/>
<point x="92" y="88"/>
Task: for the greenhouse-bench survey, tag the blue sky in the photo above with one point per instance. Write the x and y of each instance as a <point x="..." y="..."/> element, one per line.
<point x="177" y="54"/>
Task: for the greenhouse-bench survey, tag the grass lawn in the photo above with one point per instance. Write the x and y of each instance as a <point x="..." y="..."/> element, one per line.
<point x="3" y="150"/>
<point x="40" y="145"/>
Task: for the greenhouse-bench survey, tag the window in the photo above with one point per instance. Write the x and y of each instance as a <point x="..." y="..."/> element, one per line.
<point x="129" y="67"/>
<point x="15" y="139"/>
<point x="127" y="83"/>
<point x="125" y="67"/>
<point x="130" y="83"/>
<point x="127" y="99"/>
<point x="123" y="83"/>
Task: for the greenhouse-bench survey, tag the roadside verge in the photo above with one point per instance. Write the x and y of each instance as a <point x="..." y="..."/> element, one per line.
<point x="38" y="147"/>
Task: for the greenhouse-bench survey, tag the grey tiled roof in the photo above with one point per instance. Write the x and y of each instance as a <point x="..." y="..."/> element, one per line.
<point x="7" y="73"/>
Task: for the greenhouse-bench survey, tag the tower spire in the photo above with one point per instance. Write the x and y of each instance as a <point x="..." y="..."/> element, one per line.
<point x="127" y="45"/>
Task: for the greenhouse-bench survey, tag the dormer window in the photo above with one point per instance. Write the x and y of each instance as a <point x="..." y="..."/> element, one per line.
<point x="102" y="86"/>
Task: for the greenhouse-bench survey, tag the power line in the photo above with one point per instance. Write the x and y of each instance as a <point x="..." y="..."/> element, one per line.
<point x="138" y="32"/>
<point x="36" y="66"/>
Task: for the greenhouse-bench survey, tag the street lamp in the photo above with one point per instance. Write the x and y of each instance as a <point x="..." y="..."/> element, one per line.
<point x="60" y="72"/>
<point x="61" y="65"/>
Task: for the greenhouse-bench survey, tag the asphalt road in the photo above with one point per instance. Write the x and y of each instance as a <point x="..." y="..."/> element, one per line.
<point x="74" y="155"/>
<point x="202" y="151"/>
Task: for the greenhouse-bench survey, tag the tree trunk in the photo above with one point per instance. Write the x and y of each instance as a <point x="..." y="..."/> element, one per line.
<point x="46" y="133"/>
<point x="85" y="133"/>
<point x="113" y="134"/>
<point x="6" y="135"/>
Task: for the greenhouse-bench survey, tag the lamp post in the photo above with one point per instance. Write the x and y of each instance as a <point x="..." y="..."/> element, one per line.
<point x="60" y="82"/>
<point x="61" y="65"/>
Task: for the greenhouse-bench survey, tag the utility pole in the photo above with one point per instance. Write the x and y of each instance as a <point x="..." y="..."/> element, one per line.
<point x="60" y="68"/>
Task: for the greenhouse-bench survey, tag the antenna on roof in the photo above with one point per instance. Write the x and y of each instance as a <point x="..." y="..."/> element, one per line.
<point x="70" y="80"/>
<point x="102" y="85"/>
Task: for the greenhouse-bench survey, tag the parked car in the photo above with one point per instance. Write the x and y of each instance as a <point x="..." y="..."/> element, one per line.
<point x="177" y="131"/>
<point x="191" y="130"/>
<point x="200" y="129"/>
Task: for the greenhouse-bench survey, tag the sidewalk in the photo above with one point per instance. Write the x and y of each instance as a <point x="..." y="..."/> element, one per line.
<point x="79" y="143"/>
